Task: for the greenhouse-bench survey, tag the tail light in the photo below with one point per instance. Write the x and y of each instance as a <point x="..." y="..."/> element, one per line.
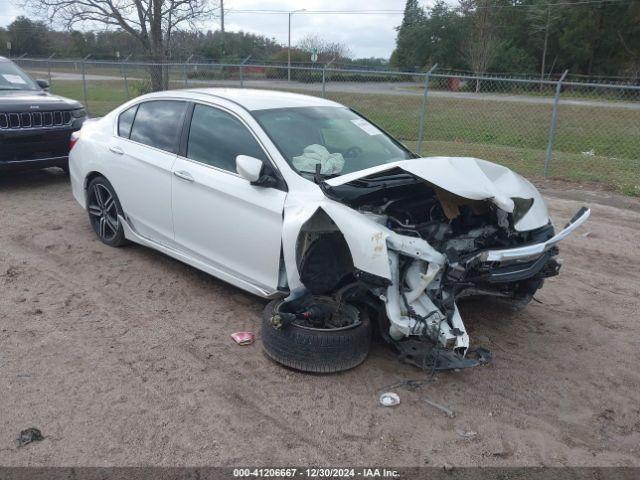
<point x="75" y="136"/>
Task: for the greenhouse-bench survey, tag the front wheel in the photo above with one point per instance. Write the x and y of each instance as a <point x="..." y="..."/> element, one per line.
<point x="104" y="207"/>
<point x="334" y="348"/>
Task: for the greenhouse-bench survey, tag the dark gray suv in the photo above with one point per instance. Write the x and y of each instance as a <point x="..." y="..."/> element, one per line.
<point x="35" y="125"/>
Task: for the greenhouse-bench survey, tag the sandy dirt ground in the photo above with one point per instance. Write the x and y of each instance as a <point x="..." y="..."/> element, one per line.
<point x="123" y="357"/>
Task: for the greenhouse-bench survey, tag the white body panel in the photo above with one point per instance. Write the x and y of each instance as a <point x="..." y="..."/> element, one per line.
<point x="226" y="222"/>
<point x="142" y="178"/>
<point x="218" y="222"/>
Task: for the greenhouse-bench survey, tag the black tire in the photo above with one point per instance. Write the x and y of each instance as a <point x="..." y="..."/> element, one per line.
<point x="316" y="350"/>
<point x="65" y="168"/>
<point x="103" y="208"/>
<point x="525" y="293"/>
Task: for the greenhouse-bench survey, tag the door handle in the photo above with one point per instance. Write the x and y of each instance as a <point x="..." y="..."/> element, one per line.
<point x="183" y="175"/>
<point x="116" y="150"/>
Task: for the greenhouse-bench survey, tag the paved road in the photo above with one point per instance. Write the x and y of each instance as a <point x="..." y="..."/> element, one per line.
<point x="369" y="88"/>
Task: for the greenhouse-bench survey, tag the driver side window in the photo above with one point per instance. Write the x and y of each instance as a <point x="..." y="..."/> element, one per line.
<point x="216" y="138"/>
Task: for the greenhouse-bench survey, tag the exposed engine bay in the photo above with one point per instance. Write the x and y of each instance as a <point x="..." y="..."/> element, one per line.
<point x="439" y="247"/>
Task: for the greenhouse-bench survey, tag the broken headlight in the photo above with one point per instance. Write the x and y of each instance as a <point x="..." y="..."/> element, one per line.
<point x="521" y="207"/>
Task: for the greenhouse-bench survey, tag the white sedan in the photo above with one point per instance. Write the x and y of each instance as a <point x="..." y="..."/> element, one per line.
<point x="304" y="201"/>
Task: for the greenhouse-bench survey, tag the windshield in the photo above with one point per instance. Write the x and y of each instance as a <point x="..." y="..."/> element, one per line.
<point x="12" y="78"/>
<point x="338" y="139"/>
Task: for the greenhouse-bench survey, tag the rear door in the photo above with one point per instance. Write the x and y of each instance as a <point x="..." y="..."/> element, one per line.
<point x="218" y="216"/>
<point x="144" y="153"/>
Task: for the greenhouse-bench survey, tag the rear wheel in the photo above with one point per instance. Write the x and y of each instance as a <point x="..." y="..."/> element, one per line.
<point x="335" y="347"/>
<point x="104" y="207"/>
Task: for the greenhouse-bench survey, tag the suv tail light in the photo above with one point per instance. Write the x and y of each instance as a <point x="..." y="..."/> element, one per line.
<point x="75" y="136"/>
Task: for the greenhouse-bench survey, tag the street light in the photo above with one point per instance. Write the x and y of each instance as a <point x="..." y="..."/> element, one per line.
<point x="289" y="47"/>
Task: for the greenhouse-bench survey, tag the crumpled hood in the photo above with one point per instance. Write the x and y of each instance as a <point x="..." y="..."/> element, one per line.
<point x="470" y="178"/>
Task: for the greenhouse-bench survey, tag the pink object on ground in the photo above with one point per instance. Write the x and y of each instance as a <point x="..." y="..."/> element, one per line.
<point x="243" y="338"/>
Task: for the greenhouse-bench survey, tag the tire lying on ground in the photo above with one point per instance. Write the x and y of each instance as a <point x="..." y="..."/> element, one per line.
<point x="316" y="350"/>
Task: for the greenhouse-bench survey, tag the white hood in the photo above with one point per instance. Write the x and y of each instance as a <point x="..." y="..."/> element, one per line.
<point x="470" y="178"/>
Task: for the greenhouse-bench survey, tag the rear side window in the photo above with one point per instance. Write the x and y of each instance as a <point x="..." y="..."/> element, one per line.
<point x="158" y="123"/>
<point x="125" y="121"/>
<point x="217" y="138"/>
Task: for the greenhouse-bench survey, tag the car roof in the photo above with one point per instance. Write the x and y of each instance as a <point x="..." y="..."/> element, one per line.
<point x="253" y="99"/>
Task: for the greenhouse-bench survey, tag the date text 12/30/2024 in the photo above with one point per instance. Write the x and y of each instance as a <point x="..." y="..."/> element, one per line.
<point x="315" y="473"/>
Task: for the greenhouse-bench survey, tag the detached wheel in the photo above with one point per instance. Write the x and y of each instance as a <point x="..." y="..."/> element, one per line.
<point x="320" y="350"/>
<point x="524" y="294"/>
<point x="104" y="207"/>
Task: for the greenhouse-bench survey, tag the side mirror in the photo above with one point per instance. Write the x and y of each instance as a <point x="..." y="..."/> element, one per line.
<point x="249" y="168"/>
<point x="43" y="84"/>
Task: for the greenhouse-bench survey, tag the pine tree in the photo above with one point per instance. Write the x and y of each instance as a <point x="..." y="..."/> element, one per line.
<point x="407" y="54"/>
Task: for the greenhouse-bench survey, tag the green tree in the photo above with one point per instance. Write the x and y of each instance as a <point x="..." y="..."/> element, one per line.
<point x="27" y="36"/>
<point x="444" y="35"/>
<point x="4" y="38"/>
<point x="409" y="52"/>
<point x="522" y="36"/>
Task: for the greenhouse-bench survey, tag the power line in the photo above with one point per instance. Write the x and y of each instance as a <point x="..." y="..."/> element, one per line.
<point x="398" y="12"/>
<point x="318" y="12"/>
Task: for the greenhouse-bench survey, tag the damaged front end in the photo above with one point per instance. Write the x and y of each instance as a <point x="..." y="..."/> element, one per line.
<point x="420" y="234"/>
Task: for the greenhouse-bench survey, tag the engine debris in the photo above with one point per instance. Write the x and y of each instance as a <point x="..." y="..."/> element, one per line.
<point x="448" y="412"/>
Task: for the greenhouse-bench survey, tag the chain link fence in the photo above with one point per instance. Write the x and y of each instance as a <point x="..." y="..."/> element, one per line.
<point x="578" y="131"/>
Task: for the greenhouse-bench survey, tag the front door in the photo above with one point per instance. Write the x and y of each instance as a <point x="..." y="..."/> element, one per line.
<point x="218" y="216"/>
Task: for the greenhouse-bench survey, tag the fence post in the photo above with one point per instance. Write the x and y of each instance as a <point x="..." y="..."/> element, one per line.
<point x="554" y="123"/>
<point x="123" y="66"/>
<point x="84" y="83"/>
<point x="49" y="67"/>
<point x="126" y="82"/>
<point x="242" y="71"/>
<point x="423" y="113"/>
<point x="184" y="71"/>
<point x="324" y="81"/>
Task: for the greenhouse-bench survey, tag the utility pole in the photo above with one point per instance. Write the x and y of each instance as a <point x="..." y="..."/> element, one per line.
<point x="222" y="15"/>
<point x="222" y="24"/>
<point x="546" y="42"/>
<point x="289" y="44"/>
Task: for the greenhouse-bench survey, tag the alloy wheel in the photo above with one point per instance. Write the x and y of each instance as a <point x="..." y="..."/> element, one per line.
<point x="103" y="212"/>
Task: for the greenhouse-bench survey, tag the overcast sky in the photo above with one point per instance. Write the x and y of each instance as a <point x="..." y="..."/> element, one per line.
<point x="366" y="35"/>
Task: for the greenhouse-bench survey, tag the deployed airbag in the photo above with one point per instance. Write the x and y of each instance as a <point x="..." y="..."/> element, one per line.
<point x="330" y="163"/>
